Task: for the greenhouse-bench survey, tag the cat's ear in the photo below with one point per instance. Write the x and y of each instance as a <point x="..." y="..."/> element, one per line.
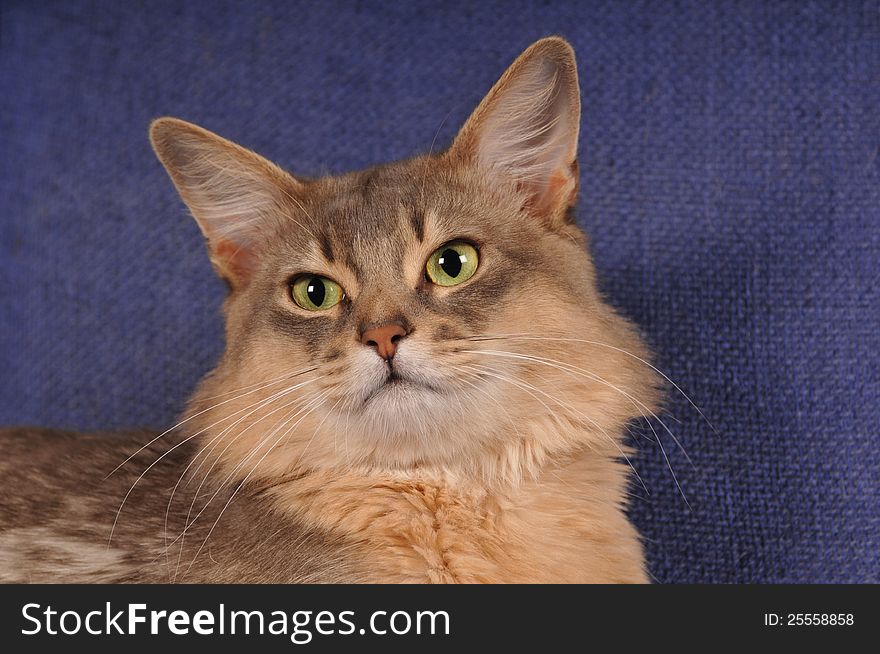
<point x="525" y="131"/>
<point x="233" y="193"/>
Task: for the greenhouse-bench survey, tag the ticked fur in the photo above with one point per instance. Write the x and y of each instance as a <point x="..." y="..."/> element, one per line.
<point x="489" y="449"/>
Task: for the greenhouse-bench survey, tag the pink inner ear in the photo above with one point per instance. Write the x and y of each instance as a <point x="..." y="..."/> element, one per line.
<point x="558" y="195"/>
<point x="558" y="181"/>
<point x="234" y="261"/>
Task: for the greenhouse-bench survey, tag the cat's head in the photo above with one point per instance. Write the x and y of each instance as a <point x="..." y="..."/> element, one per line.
<point x="439" y="312"/>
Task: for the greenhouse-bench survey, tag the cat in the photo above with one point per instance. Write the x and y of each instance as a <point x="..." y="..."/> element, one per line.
<point x="421" y="381"/>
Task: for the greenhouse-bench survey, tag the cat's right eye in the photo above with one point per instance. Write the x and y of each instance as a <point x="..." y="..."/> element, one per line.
<point x="315" y="293"/>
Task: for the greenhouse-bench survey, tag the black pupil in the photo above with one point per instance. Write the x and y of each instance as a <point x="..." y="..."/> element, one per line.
<point x="450" y="261"/>
<point x="316" y="291"/>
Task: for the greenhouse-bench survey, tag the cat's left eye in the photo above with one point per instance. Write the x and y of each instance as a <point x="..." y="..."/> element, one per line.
<point x="316" y="293"/>
<point x="452" y="264"/>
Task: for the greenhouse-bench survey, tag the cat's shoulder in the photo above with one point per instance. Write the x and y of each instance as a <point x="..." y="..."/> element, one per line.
<point x="37" y="448"/>
<point x="28" y="438"/>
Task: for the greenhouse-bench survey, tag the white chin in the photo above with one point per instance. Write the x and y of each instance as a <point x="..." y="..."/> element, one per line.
<point x="400" y="393"/>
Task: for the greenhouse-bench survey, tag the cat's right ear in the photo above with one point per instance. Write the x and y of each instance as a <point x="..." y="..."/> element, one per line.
<point x="233" y="193"/>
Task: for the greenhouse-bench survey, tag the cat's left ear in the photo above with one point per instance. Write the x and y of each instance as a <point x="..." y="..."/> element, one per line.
<point x="525" y="131"/>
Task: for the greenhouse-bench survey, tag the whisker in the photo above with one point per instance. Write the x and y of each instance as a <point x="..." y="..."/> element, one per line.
<point x="315" y="432"/>
<point x="477" y="388"/>
<point x="526" y="386"/>
<point x="430" y="152"/>
<point x="528" y="337"/>
<point x="243" y="481"/>
<point x="573" y="369"/>
<point x="242" y="388"/>
<point x="154" y="463"/>
<point x="184" y="421"/>
<point x="253" y="451"/>
<point x="216" y="439"/>
<point x="187" y="524"/>
<point x="576" y="370"/>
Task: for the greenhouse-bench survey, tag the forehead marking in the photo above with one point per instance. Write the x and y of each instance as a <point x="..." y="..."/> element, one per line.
<point x="417" y="221"/>
<point x="326" y="247"/>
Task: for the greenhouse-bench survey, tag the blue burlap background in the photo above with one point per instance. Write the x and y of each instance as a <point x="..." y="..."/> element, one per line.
<point x="730" y="183"/>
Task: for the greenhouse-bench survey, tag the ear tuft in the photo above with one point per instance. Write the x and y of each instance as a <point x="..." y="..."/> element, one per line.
<point x="525" y="131"/>
<point x="234" y="194"/>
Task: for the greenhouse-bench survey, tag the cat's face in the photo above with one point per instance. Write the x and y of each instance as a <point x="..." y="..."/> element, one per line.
<point x="374" y="235"/>
<point x="432" y="312"/>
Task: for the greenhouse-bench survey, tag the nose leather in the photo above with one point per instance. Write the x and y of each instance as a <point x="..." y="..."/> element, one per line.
<point x="384" y="338"/>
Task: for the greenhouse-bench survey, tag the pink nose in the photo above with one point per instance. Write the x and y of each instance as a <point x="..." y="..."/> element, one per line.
<point x="384" y="338"/>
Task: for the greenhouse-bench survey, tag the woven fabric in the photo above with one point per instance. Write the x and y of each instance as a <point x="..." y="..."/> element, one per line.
<point x="730" y="184"/>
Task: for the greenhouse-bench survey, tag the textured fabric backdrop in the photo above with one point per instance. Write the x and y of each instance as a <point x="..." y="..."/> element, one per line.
<point x="730" y="183"/>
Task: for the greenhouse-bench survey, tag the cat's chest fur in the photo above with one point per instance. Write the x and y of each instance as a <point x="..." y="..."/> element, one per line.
<point x="564" y="526"/>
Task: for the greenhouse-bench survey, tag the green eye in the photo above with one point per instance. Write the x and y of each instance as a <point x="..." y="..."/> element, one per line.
<point x="315" y="293"/>
<point x="452" y="264"/>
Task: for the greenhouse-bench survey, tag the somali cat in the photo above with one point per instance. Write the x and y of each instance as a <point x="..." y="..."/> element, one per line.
<point x="421" y="381"/>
